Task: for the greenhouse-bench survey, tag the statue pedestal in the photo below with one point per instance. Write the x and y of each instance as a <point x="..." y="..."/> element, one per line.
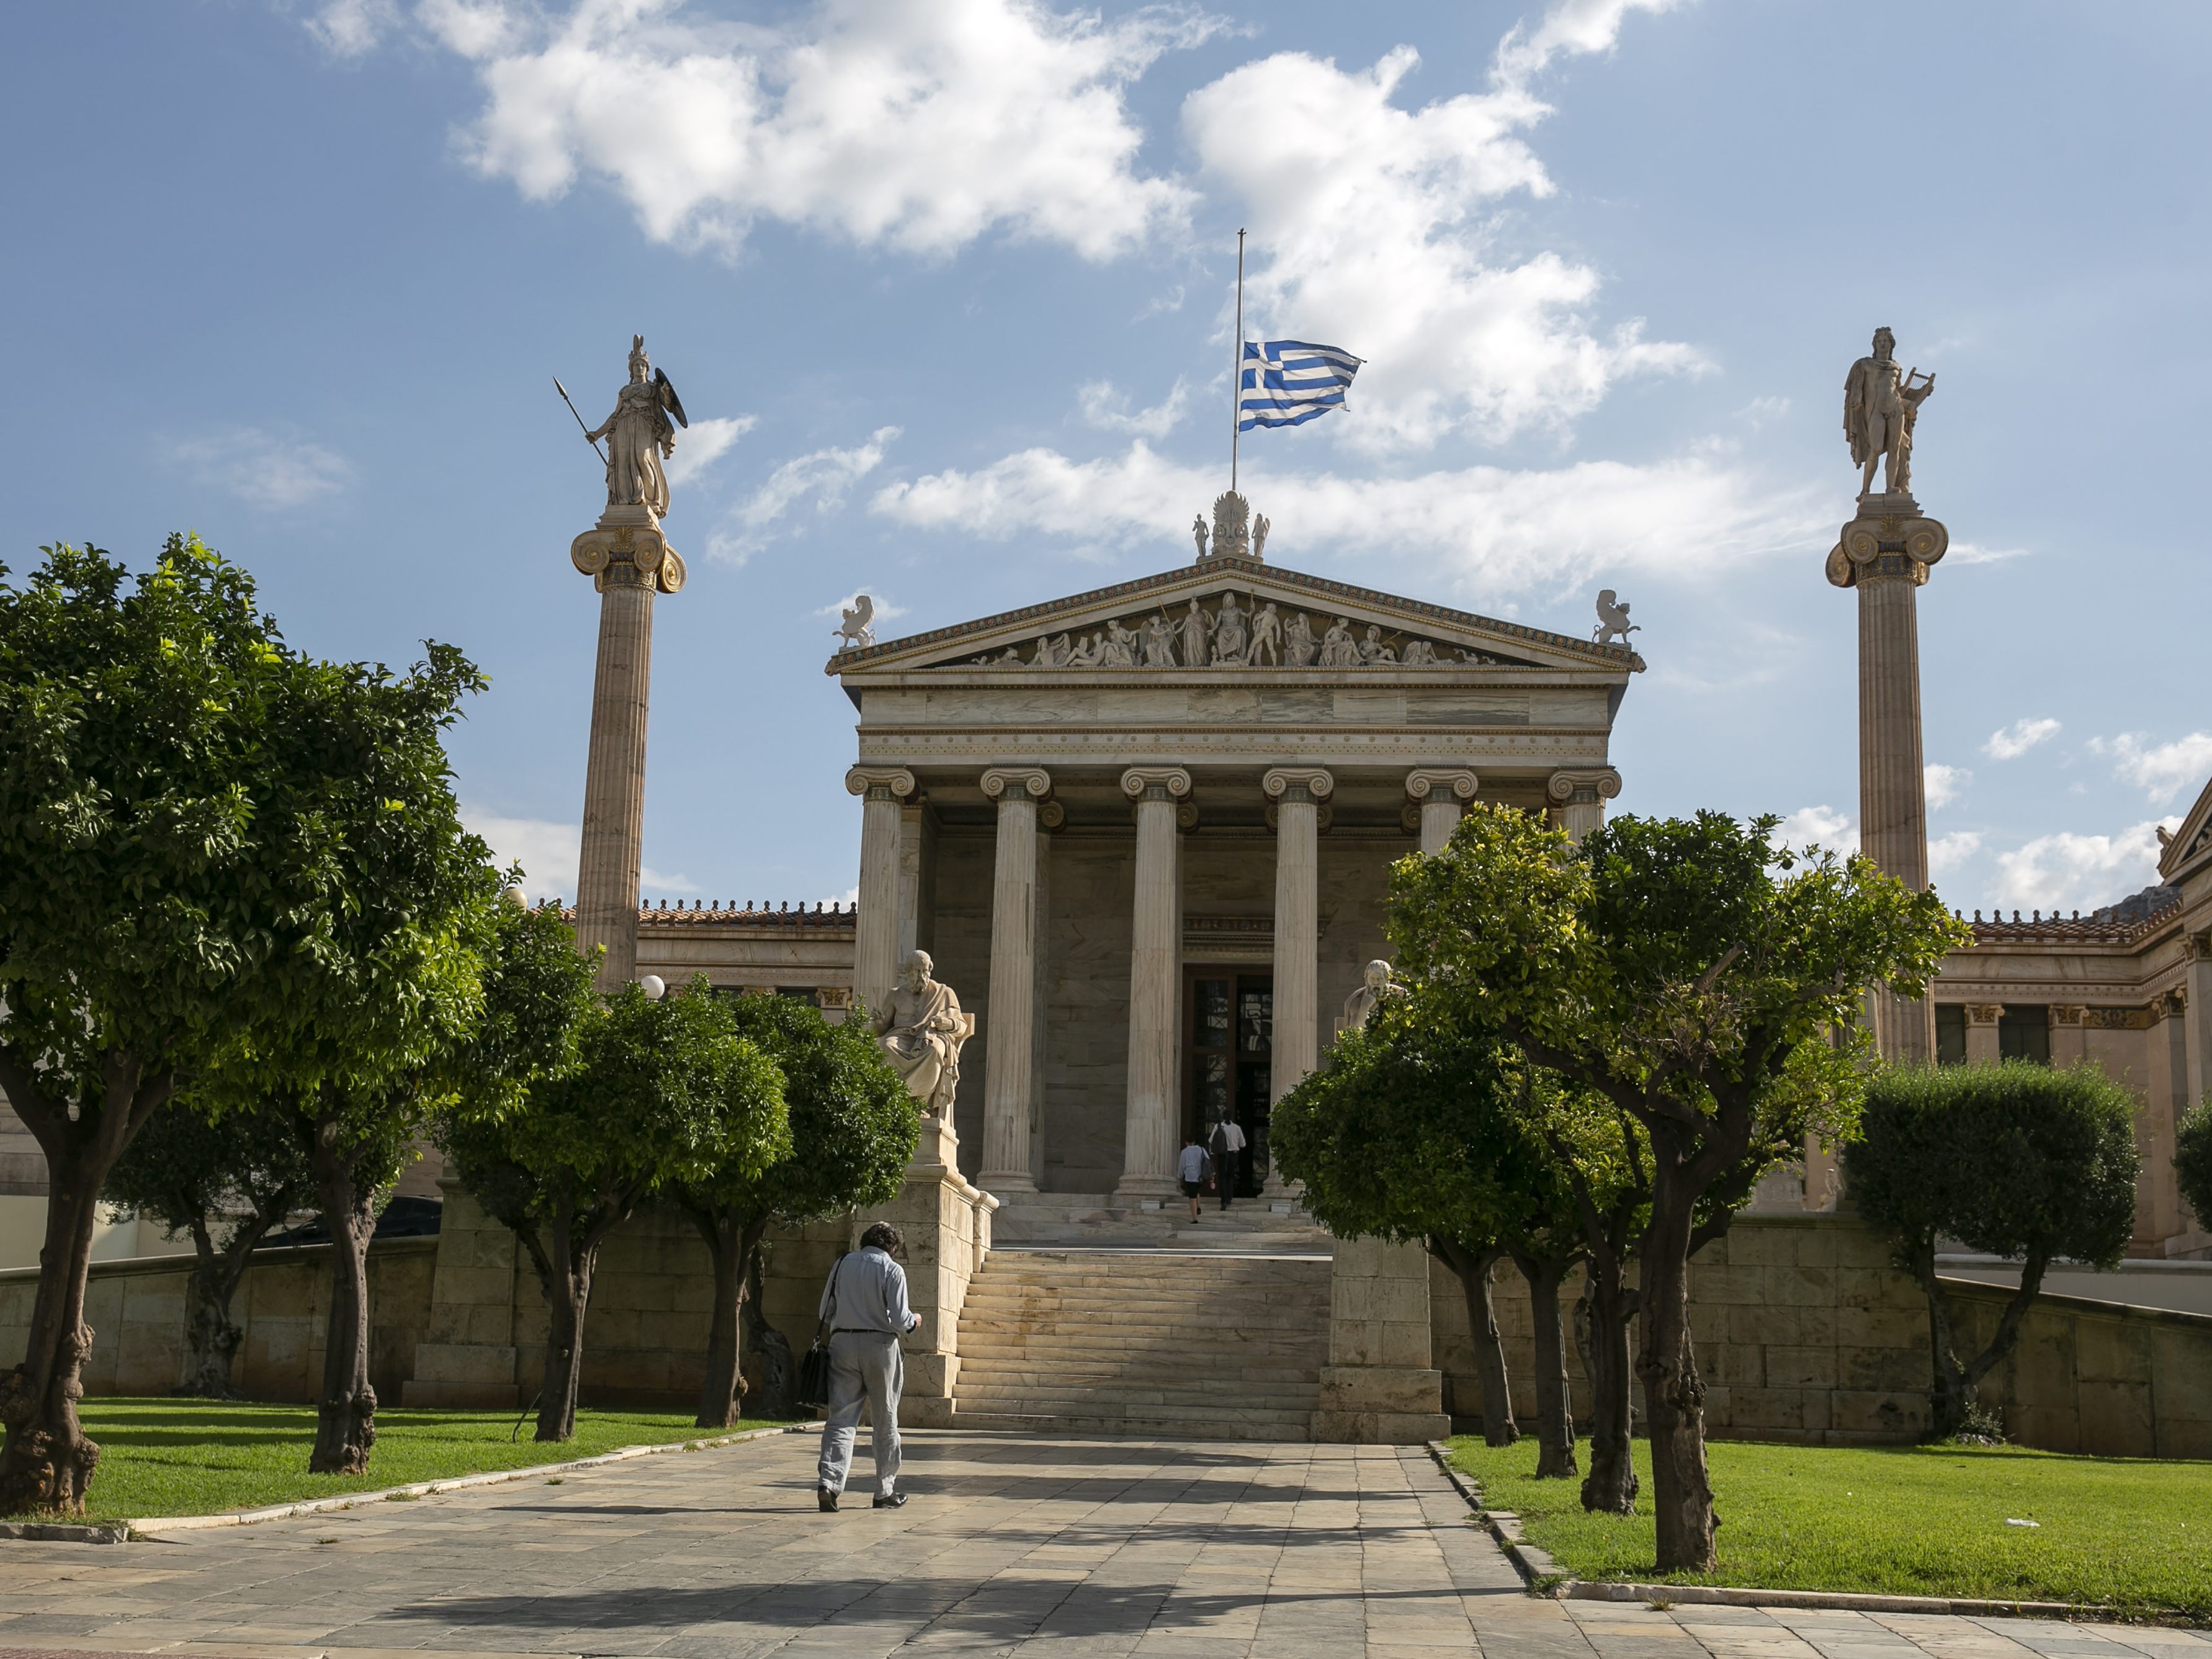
<point x="1886" y="553"/>
<point x="946" y="1223"/>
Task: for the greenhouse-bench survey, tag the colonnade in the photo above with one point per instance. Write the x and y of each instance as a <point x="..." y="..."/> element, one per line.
<point x="1297" y="800"/>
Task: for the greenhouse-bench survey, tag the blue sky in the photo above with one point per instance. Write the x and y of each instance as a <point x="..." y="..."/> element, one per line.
<point x="945" y="289"/>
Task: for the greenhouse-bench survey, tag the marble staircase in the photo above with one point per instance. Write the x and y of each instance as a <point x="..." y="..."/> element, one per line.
<point x="1249" y="1227"/>
<point x="1205" y="1343"/>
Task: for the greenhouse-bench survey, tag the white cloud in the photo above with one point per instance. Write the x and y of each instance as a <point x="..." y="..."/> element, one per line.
<point x="549" y="851"/>
<point x="2072" y="871"/>
<point x="1947" y="853"/>
<point x="350" y="27"/>
<point x="1106" y="407"/>
<point x="922" y="127"/>
<point x="1382" y="237"/>
<point x="1482" y="532"/>
<point x="1974" y="553"/>
<point x="2018" y="738"/>
<point x="702" y="443"/>
<point x="825" y="475"/>
<point x="1761" y="411"/>
<point x="846" y="900"/>
<point x="262" y="469"/>
<point x="1818" y="826"/>
<point x="2160" y="770"/>
<point x="1943" y="784"/>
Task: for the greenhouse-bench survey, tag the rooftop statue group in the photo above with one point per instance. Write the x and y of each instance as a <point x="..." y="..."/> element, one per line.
<point x="1246" y="634"/>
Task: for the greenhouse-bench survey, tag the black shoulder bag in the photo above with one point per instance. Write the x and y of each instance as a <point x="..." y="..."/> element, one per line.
<point x="814" y="1391"/>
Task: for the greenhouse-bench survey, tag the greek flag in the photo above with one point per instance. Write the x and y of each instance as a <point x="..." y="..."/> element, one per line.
<point x="1290" y="382"/>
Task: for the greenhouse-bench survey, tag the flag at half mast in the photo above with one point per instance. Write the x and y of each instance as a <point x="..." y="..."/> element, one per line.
<point x="1290" y="382"/>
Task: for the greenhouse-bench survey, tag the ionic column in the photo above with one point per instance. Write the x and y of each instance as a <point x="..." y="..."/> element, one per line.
<point x="1981" y="1017"/>
<point x="1439" y="797"/>
<point x="1297" y="793"/>
<point x="2069" y="1035"/>
<point x="2196" y="1015"/>
<point x="1010" y="1077"/>
<point x="875" y="929"/>
<point x="1578" y="798"/>
<point x="1155" y="968"/>
<point x="629" y="561"/>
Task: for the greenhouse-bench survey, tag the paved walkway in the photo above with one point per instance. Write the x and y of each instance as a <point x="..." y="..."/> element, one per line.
<point x="1047" y="1549"/>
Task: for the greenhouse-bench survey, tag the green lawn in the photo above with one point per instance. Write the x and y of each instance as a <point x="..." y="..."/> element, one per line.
<point x="1901" y="1521"/>
<point x="189" y="1457"/>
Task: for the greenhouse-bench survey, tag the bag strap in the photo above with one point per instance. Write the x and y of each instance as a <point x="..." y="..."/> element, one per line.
<point x="836" y="1274"/>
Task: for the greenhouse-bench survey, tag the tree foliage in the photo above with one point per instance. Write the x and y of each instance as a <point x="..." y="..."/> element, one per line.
<point x="852" y="1126"/>
<point x="2192" y="1159"/>
<point x="1707" y="984"/>
<point x="2015" y="1160"/>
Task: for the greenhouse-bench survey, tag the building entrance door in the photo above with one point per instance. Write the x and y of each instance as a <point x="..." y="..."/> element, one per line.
<point x="1230" y="1026"/>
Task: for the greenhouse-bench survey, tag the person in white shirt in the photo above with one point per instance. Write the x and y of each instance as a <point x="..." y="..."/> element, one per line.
<point x="864" y="1306"/>
<point x="1192" y="1167"/>
<point x="1227" y="1145"/>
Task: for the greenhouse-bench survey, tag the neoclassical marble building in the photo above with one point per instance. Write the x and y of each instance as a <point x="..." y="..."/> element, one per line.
<point x="1146" y="831"/>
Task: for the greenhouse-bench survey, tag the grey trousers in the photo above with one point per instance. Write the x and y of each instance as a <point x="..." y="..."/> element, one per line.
<point x="865" y="1367"/>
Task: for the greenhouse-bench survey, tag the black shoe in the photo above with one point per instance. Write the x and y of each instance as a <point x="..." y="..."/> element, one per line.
<point x="890" y="1500"/>
<point x="825" y="1500"/>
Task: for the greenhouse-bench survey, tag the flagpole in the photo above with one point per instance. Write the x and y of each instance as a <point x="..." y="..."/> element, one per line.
<point x="1237" y="367"/>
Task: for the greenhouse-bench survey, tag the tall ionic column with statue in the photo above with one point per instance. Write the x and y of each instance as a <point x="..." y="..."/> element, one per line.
<point x="628" y="561"/>
<point x="1887" y="552"/>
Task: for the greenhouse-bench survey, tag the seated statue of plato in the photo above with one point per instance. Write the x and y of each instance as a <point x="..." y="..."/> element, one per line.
<point x="921" y="1028"/>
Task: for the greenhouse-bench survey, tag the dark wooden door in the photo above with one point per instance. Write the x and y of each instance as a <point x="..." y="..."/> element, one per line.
<point x="1230" y="1021"/>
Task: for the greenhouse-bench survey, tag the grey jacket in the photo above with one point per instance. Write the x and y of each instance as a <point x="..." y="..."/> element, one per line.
<point x="869" y="1290"/>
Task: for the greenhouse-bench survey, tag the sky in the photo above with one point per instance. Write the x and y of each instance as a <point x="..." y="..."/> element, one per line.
<point x="947" y="287"/>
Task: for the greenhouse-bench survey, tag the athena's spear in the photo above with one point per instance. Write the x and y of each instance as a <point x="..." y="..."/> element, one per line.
<point x="585" y="431"/>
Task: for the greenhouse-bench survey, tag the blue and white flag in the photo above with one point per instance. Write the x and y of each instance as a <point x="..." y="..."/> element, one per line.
<point x="1290" y="382"/>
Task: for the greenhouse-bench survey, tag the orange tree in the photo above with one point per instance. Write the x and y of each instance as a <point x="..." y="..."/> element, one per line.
<point x="1705" y="982"/>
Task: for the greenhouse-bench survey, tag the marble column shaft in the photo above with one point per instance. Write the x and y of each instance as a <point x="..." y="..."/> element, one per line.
<point x="1578" y="798"/>
<point x="1011" y="1075"/>
<point x="1892" y="787"/>
<point x="1155" y="982"/>
<point x="875" y="942"/>
<point x="1982" y="1038"/>
<point x="2197" y="1017"/>
<point x="1298" y="794"/>
<point x="613" y="840"/>
<point x="1442" y="796"/>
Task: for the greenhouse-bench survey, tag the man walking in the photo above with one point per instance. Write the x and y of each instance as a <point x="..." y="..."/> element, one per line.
<point x="864" y="1306"/>
<point x="1192" y="1168"/>
<point x="1227" y="1147"/>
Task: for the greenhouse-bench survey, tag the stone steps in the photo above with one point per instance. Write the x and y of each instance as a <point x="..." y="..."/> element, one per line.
<point x="1197" y="1344"/>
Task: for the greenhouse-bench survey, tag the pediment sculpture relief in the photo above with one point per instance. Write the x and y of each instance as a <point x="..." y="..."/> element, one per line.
<point x="1240" y="630"/>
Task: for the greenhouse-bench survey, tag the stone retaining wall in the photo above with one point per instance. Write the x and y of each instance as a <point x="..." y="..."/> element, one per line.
<point x="1805" y="1332"/>
<point x="137" y="1311"/>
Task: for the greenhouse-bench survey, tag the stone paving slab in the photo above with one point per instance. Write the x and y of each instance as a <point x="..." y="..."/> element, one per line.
<point x="1012" y="1544"/>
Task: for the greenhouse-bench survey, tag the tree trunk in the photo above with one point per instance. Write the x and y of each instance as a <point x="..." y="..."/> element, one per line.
<point x="731" y="1243"/>
<point x="770" y="1377"/>
<point x="1608" y="1307"/>
<point x="1555" y="1420"/>
<point x="345" y="1416"/>
<point x="1955" y="1391"/>
<point x="212" y="1339"/>
<point x="564" y="1345"/>
<point x="47" y="1462"/>
<point x="1476" y="1272"/>
<point x="1674" y="1393"/>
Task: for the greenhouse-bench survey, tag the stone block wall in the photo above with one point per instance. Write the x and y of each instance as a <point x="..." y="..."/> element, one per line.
<point x="1805" y="1332"/>
<point x="138" y="1310"/>
<point x="1086" y="997"/>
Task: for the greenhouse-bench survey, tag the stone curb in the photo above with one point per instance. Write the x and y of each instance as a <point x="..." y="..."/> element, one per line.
<point x="125" y="1532"/>
<point x="1543" y="1576"/>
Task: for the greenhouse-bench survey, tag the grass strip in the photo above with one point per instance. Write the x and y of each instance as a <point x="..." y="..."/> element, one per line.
<point x="2129" y="1534"/>
<point x="174" y="1457"/>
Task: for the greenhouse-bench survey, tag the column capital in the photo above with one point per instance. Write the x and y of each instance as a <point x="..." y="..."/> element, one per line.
<point x="1424" y="780"/>
<point x="1279" y="782"/>
<point x="1156" y="783"/>
<point x="2066" y="1014"/>
<point x="880" y="782"/>
<point x="1033" y="781"/>
<point x="1985" y="1013"/>
<point x="1601" y="783"/>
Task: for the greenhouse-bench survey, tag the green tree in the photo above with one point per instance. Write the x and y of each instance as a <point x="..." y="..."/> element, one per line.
<point x="2017" y="1160"/>
<point x="2192" y="1159"/>
<point x="852" y="1131"/>
<point x="178" y="830"/>
<point x="658" y="1092"/>
<point x="1414" y="1131"/>
<point x="225" y="1181"/>
<point x="1704" y="982"/>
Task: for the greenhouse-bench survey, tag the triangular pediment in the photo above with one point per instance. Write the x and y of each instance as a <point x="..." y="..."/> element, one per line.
<point x="2189" y="848"/>
<point x="1271" y="618"/>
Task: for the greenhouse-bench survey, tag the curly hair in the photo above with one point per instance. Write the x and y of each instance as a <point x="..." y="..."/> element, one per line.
<point x="884" y="1237"/>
